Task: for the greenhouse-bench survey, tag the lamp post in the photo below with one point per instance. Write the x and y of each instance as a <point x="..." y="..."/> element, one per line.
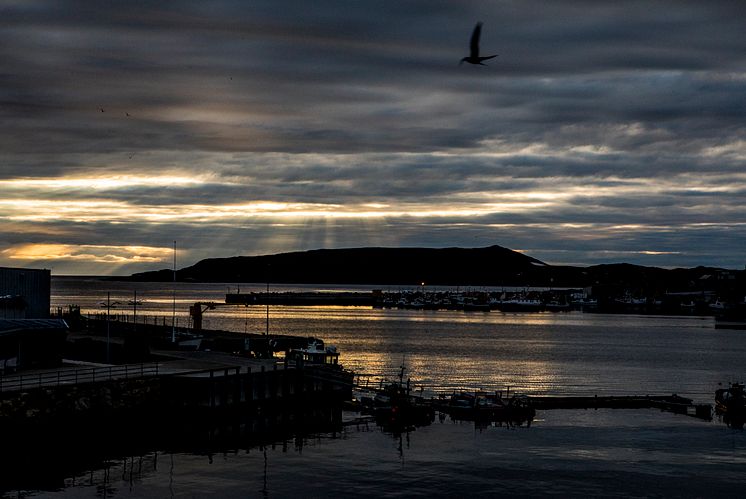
<point x="109" y="305"/>
<point x="135" y="302"/>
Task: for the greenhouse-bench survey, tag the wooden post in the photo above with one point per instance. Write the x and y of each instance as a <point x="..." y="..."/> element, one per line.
<point x="212" y="390"/>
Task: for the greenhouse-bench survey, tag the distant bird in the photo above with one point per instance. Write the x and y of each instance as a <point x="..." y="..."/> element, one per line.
<point x="127" y="114"/>
<point x="474" y="48"/>
<point x="101" y="109"/>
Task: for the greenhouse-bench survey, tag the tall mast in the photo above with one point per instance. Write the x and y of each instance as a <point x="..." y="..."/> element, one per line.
<point x="267" y="333"/>
<point x="173" y="317"/>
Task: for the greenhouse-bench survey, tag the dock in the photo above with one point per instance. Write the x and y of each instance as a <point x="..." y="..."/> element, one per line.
<point x="669" y="403"/>
<point x="120" y="367"/>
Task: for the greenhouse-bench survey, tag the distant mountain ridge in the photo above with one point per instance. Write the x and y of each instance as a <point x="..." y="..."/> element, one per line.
<point x="488" y="266"/>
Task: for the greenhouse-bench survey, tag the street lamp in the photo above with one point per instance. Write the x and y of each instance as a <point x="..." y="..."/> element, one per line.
<point x="108" y="304"/>
<point x="135" y="302"/>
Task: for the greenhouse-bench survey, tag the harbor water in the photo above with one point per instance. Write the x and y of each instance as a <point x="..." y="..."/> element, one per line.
<point x="563" y="452"/>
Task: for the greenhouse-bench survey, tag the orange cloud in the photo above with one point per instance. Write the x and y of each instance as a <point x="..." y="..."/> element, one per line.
<point x="86" y="252"/>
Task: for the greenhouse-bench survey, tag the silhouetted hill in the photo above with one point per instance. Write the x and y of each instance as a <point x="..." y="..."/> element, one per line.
<point x="490" y="266"/>
<point x="456" y="266"/>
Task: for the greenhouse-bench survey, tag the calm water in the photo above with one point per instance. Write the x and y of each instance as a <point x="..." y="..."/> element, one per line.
<point x="604" y="452"/>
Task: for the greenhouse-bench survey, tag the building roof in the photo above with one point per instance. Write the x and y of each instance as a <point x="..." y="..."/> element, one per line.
<point x="10" y="326"/>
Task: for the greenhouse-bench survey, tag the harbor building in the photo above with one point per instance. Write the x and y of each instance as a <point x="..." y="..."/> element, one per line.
<point x="24" y="293"/>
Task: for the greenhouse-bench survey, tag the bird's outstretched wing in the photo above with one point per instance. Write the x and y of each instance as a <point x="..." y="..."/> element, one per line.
<point x="474" y="44"/>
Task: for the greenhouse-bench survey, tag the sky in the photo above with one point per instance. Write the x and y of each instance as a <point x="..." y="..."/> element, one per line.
<point x="603" y="132"/>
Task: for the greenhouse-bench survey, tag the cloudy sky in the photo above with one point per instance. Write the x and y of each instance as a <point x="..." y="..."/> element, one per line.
<point x="604" y="132"/>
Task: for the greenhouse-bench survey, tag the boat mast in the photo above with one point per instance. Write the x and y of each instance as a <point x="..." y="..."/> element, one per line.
<point x="267" y="333"/>
<point x="173" y="316"/>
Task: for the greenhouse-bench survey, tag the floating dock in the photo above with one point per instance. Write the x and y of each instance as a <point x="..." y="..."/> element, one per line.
<point x="669" y="403"/>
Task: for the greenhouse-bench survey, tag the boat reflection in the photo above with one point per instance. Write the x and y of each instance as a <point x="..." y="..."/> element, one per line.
<point x="730" y="405"/>
<point x="69" y="453"/>
<point x="487" y="408"/>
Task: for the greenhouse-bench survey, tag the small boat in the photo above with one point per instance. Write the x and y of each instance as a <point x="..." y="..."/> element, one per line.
<point x="557" y="306"/>
<point x="730" y="403"/>
<point x="631" y="301"/>
<point x="472" y="305"/>
<point x="718" y="306"/>
<point x="480" y="406"/>
<point x="520" y="304"/>
<point x="396" y="408"/>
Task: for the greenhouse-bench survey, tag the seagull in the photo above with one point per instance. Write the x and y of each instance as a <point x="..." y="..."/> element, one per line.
<point x="474" y="48"/>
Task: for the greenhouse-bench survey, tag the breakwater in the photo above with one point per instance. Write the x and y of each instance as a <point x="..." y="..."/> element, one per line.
<point x="303" y="298"/>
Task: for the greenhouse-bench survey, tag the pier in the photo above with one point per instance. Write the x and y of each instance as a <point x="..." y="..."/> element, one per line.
<point x="669" y="403"/>
<point x="190" y="384"/>
<point x="114" y="367"/>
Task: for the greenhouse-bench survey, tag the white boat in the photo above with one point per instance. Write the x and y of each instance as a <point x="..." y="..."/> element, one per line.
<point x="315" y="353"/>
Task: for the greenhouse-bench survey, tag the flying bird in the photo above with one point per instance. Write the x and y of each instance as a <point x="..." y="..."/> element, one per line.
<point x="474" y="57"/>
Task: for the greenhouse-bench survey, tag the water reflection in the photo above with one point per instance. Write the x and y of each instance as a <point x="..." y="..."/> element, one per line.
<point x="88" y="454"/>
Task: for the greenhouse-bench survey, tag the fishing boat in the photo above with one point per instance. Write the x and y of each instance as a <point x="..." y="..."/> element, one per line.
<point x="730" y="403"/>
<point x="395" y="406"/>
<point x="315" y="353"/>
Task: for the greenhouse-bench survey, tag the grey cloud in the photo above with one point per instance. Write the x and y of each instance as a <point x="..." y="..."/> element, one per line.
<point x="355" y="102"/>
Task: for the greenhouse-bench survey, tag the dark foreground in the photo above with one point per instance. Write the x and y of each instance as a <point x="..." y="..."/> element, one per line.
<point x="617" y="453"/>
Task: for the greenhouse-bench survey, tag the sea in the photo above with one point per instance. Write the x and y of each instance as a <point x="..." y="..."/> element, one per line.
<point x="566" y="453"/>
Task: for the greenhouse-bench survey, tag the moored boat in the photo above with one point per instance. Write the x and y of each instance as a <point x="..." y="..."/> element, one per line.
<point x="396" y="408"/>
<point x="730" y="403"/>
<point x="480" y="406"/>
<point x="315" y="353"/>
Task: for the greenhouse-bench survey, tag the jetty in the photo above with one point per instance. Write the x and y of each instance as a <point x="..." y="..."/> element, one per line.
<point x="399" y="402"/>
<point x="669" y="403"/>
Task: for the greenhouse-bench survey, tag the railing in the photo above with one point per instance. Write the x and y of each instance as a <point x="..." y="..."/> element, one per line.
<point x="77" y="376"/>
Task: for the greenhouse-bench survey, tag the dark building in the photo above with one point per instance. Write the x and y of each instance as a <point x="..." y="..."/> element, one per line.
<point x="24" y="293"/>
<point x="26" y="343"/>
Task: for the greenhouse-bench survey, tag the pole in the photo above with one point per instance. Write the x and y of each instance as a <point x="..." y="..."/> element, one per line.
<point x="267" y="333"/>
<point x="173" y="317"/>
<point x="108" y="308"/>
